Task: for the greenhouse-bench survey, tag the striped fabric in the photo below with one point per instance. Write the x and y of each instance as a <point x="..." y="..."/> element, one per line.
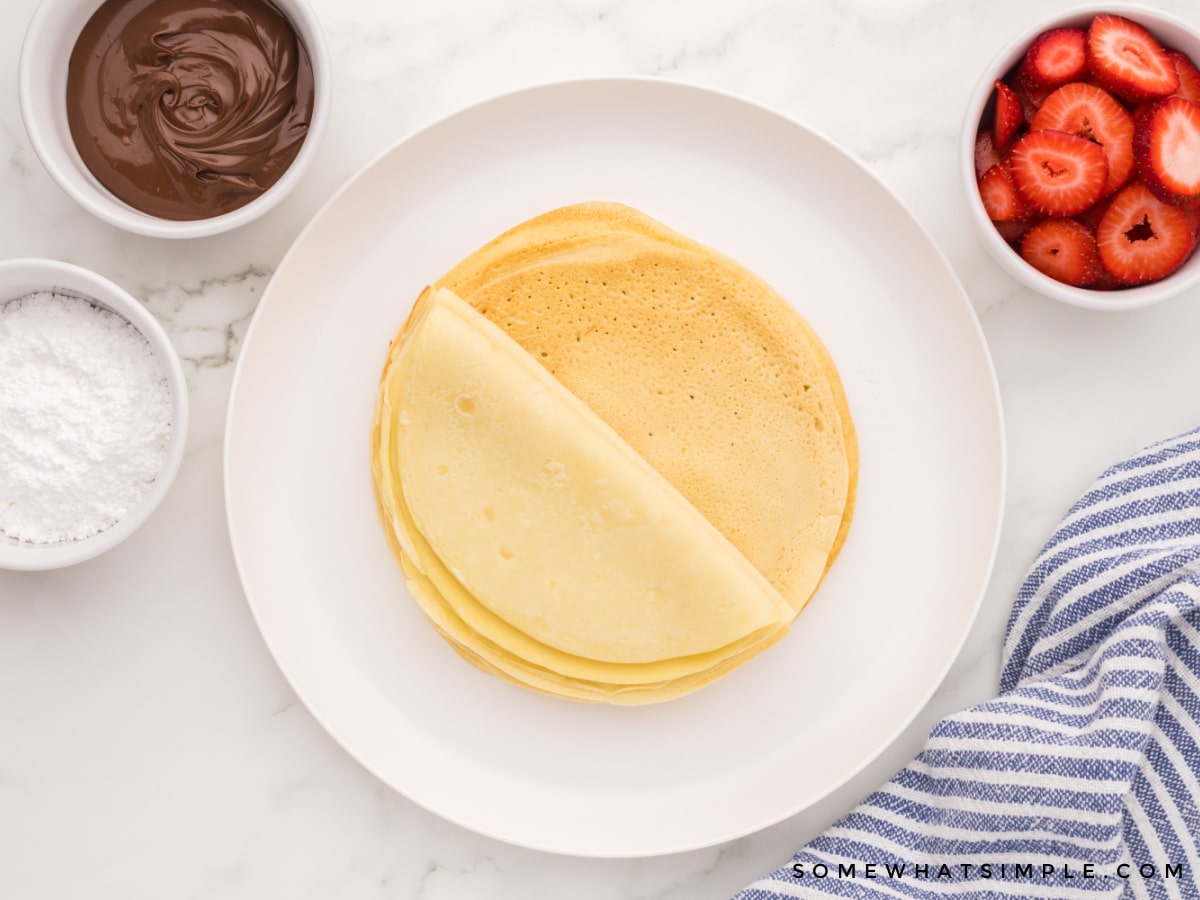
<point x="1082" y="778"/>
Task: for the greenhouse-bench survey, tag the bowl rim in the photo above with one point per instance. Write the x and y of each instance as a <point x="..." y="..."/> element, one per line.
<point x="1008" y="55"/>
<point x="83" y="188"/>
<point x="53" y="275"/>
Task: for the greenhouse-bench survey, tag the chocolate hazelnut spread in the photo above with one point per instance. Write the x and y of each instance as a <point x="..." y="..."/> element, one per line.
<point x="187" y="109"/>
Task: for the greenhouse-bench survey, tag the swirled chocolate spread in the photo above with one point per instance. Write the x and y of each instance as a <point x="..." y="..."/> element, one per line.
<point x="187" y="109"/>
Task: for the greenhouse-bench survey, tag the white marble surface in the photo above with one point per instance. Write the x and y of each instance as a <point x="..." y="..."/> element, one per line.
<point x="149" y="746"/>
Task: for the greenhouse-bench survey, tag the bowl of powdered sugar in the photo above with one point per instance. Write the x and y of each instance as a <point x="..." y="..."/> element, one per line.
<point x="93" y="414"/>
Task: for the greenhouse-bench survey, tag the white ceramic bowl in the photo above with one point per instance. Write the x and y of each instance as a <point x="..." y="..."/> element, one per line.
<point x="1173" y="33"/>
<point x="19" y="277"/>
<point x="42" y="85"/>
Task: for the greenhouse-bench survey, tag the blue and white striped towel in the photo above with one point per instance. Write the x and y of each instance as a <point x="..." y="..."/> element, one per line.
<point x="1082" y="778"/>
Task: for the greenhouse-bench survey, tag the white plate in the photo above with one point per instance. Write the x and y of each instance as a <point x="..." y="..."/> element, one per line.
<point x="777" y="734"/>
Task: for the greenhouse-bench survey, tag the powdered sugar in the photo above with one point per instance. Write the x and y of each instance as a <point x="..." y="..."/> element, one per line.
<point x="85" y="418"/>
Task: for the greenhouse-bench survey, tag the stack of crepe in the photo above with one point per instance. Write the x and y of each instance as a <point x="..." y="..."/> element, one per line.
<point x="613" y="464"/>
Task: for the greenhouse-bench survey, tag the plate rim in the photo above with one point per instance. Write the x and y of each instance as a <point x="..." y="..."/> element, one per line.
<point x="1001" y="483"/>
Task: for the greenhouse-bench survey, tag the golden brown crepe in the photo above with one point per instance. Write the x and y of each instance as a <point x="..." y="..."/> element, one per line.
<point x="665" y="373"/>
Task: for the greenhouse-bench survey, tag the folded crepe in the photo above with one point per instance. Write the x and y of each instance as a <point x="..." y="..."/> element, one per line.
<point x="613" y="463"/>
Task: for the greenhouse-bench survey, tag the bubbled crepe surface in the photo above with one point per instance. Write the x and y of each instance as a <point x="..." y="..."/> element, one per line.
<point x="706" y="372"/>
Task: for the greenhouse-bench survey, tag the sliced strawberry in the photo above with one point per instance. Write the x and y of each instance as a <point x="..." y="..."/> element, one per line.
<point x="1009" y="116"/>
<point x="1141" y="238"/>
<point x="1059" y="174"/>
<point x="1128" y="61"/>
<point x="999" y="195"/>
<point x="1055" y="58"/>
<point x="986" y="154"/>
<point x="1189" y="76"/>
<point x="1064" y="250"/>
<point x="1167" y="146"/>
<point x="1091" y="112"/>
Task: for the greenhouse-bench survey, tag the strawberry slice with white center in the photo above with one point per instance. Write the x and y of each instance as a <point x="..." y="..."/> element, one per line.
<point x="1128" y="61"/>
<point x="1064" y="250"/>
<point x="1091" y="112"/>
<point x="1141" y="238"/>
<point x="1167" y="146"/>
<point x="1059" y="174"/>
<point x="1055" y="57"/>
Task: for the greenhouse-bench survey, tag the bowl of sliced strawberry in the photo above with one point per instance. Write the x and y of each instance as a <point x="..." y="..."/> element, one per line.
<point x="1081" y="157"/>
